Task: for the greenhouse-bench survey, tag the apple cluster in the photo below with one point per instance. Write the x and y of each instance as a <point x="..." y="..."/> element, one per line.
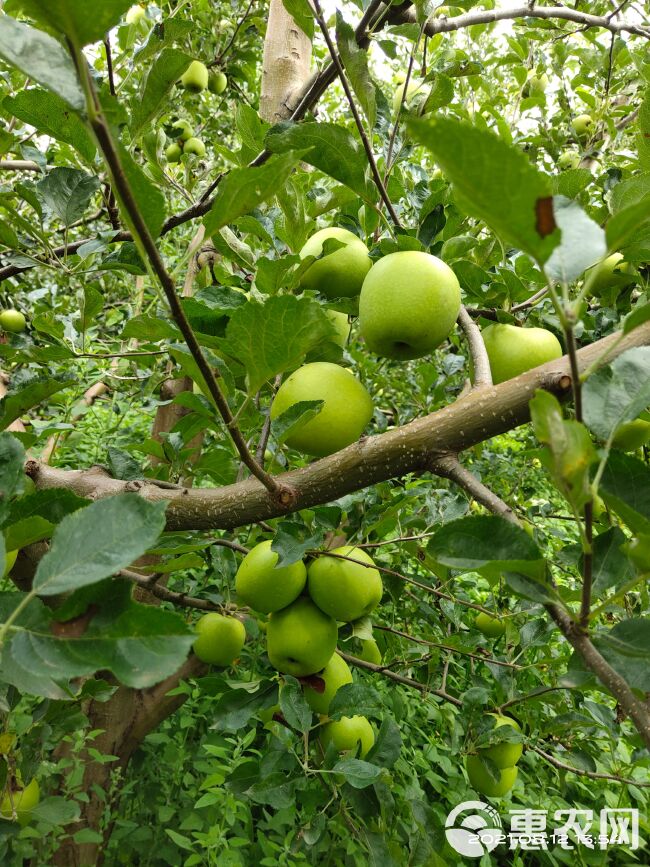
<point x="492" y="771"/>
<point x="195" y="79"/>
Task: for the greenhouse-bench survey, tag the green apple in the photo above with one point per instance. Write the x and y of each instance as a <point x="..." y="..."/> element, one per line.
<point x="347" y="407"/>
<point x="632" y="435"/>
<point x="12" y="320"/>
<point x="599" y="509"/>
<point x="194" y="146"/>
<point x="301" y="638"/>
<point x="185" y="128"/>
<point x="263" y="587"/>
<point x="505" y="754"/>
<point x="583" y="125"/>
<point x="195" y="78"/>
<point x="638" y="550"/>
<point x="341" y="327"/>
<point x="324" y="685"/>
<point x="414" y="89"/>
<point x="436" y="174"/>
<point x="217" y="83"/>
<point x="220" y="639"/>
<point x="408" y="305"/>
<point x="21" y="803"/>
<point x="338" y="274"/>
<point x="370" y="651"/>
<point x="343" y="589"/>
<point x="445" y="11"/>
<point x="173" y="152"/>
<point x="514" y="350"/>
<point x="480" y="779"/>
<point x="135" y="14"/>
<point x="612" y="272"/>
<point x="568" y="160"/>
<point x="535" y="85"/>
<point x="10" y="561"/>
<point x="493" y="627"/>
<point x="350" y="734"/>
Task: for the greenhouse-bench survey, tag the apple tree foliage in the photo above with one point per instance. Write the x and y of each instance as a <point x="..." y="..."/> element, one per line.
<point x="233" y="776"/>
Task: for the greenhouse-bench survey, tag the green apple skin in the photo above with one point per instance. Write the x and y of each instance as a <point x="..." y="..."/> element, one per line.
<point x="412" y="91"/>
<point x="408" y="305"/>
<point x="13" y="321"/>
<point x="263" y="587"/>
<point x="632" y="435"/>
<point x="185" y="127"/>
<point x="492" y="627"/>
<point x="173" y="152"/>
<point x="610" y="273"/>
<point x="135" y="14"/>
<point x="220" y="639"/>
<point x="583" y="125"/>
<point x="335" y="674"/>
<point x="339" y="274"/>
<point x="514" y="350"/>
<point x="638" y="550"/>
<point x="350" y="734"/>
<point x="217" y="83"/>
<point x="342" y="589"/>
<point x="346" y="410"/>
<point x="300" y="639"/>
<point x="568" y="160"/>
<point x="194" y="146"/>
<point x="370" y="651"/>
<point x="504" y="755"/>
<point x="341" y="327"/>
<point x="24" y="801"/>
<point x="10" y="561"/>
<point x="535" y="85"/>
<point x="195" y="78"/>
<point x="483" y="783"/>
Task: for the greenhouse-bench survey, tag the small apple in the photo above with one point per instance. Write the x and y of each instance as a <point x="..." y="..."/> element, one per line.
<point x="370" y="651"/>
<point x="583" y="125"/>
<point x="346" y="410"/>
<point x="10" y="561"/>
<point x="480" y="779"/>
<point x="611" y="273"/>
<point x="19" y="806"/>
<point x="195" y="78"/>
<point x="514" y="350"/>
<point x="12" y="320"/>
<point x="536" y="85"/>
<point x="568" y="160"/>
<point x="173" y="152"/>
<point x="326" y="683"/>
<point x="493" y="627"/>
<point x="185" y="128"/>
<point x="135" y="14"/>
<point x="350" y="734"/>
<point x="638" y="550"/>
<point x="599" y="509"/>
<point x="506" y="754"/>
<point x="408" y="305"/>
<point x="301" y="638"/>
<point x="415" y="89"/>
<point x="445" y="11"/>
<point x="217" y="83"/>
<point x="220" y="639"/>
<point x="436" y="174"/>
<point x="632" y="435"/>
<point x="338" y="274"/>
<point x="341" y="326"/>
<point x="194" y="146"/>
<point x="263" y="587"/>
<point x="343" y="589"/>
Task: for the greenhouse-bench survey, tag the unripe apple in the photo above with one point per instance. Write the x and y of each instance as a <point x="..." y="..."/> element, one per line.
<point x="19" y="806"/>
<point x="10" y="561"/>
<point x="217" y="82"/>
<point x="506" y="754"/>
<point x="583" y="125"/>
<point x="343" y="589"/>
<point x="194" y="146"/>
<point x="414" y="89"/>
<point x="632" y="435"/>
<point x="341" y="327"/>
<point x="370" y="651"/>
<point x="326" y="683"/>
<point x="535" y="85"/>
<point x="638" y="550"/>
<point x="195" y="78"/>
<point x="220" y="639"/>
<point x="437" y="174"/>
<point x="173" y="152"/>
<point x="338" y="274"/>
<point x="408" y="305"/>
<point x="12" y="320"/>
<point x="350" y="734"/>
<point x="301" y="639"/>
<point x="346" y="410"/>
<point x="492" y="627"/>
<point x="514" y="350"/>
<point x="185" y="128"/>
<point x="611" y="273"/>
<point x="483" y="783"/>
<point x="568" y="160"/>
<point x="264" y="587"/>
<point x="135" y="14"/>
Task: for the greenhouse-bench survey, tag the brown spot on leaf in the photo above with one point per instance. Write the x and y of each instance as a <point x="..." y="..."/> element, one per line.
<point x="544" y="219"/>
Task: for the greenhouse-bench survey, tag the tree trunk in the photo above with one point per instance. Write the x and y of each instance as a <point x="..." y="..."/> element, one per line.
<point x="285" y="67"/>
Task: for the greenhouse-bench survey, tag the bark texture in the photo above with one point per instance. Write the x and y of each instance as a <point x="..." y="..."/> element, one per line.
<point x="285" y="66"/>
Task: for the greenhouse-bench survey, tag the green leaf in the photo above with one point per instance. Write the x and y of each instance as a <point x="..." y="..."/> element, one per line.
<point x="355" y="61"/>
<point x="12" y="459"/>
<point x="636" y="318"/>
<point x="493" y="181"/>
<point x="627" y="649"/>
<point x="356" y="698"/>
<point x="97" y="541"/>
<point x="67" y="192"/>
<point x="235" y="707"/>
<point x="357" y="773"/>
<point x="122" y="465"/>
<point x="294" y="708"/>
<point x="161" y="77"/>
<point x="275" y="337"/>
<point x="294" y="418"/>
<point x="625" y="487"/>
<point x="582" y="244"/>
<point x="73" y="18"/>
<point x="51" y="504"/>
<point x="42" y="58"/>
<point x="617" y="393"/>
<point x="625" y="224"/>
<point x="292" y="541"/>
<point x="302" y="14"/>
<point x="51" y="115"/>
<point x="388" y="745"/>
<point x="28" y="391"/>
<point x="149" y="328"/>
<point x="243" y="190"/>
<point x="611" y="567"/>
<point x="475" y="542"/>
<point x="328" y="147"/>
<point x="643" y="134"/>
<point x="162" y="34"/>
<point x="148" y="196"/>
<point x="440" y="93"/>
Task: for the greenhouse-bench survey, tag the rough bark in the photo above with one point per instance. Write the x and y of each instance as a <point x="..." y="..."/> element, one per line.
<point x="285" y="66"/>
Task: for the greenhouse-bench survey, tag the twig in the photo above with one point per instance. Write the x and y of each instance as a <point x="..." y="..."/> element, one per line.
<point x="448" y="647"/>
<point x="530" y="696"/>
<point x="111" y="204"/>
<point x="478" y="352"/>
<point x="19" y="166"/>
<point x="241" y="21"/>
<point x="595" y="775"/>
<point x="183" y="600"/>
<point x="449" y="467"/>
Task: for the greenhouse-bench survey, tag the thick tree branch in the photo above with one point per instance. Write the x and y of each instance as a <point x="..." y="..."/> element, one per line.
<point x="477" y="350"/>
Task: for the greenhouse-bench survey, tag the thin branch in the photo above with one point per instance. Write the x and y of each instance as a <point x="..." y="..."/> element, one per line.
<point x="530" y="696"/>
<point x="449" y="467"/>
<point x="266" y="427"/>
<point x="448" y="647"/>
<point x="478" y="352"/>
<point x="183" y="600"/>
<point x="19" y="166"/>
<point x="231" y="41"/>
<point x="582" y="773"/>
